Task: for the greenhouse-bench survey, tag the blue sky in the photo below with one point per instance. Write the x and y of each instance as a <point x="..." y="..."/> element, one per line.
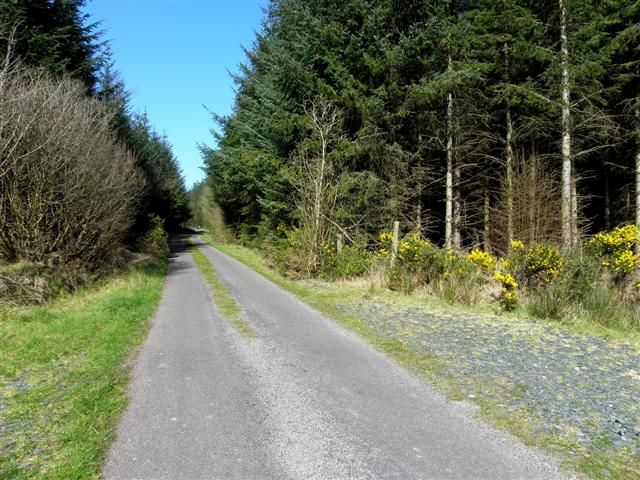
<point x="174" y="56"/>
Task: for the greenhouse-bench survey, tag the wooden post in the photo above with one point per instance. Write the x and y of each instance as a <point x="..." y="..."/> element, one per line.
<point x="339" y="242"/>
<point x="394" y="241"/>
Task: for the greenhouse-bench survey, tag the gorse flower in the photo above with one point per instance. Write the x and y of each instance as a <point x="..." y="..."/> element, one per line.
<point x="517" y="245"/>
<point x="508" y="296"/>
<point x="483" y="260"/>
<point x="506" y="280"/>
<point x="615" y="247"/>
<point x="534" y="263"/>
<point x="616" y="240"/>
<point x="386" y="237"/>
<point x="625" y="262"/>
<point x="351" y="262"/>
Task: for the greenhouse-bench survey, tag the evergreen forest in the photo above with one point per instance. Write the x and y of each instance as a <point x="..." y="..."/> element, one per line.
<point x="472" y="123"/>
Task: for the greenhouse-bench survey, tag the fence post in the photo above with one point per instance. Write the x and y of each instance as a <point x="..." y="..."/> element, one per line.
<point x="339" y="242"/>
<point x="394" y="241"/>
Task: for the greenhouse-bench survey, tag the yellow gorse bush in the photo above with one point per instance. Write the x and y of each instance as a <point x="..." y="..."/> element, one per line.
<point x="534" y="263"/>
<point x="615" y="247"/>
<point x="625" y="262"/>
<point x="618" y="239"/>
<point x="483" y="260"/>
<point x="353" y="260"/>
<point x="517" y="245"/>
<point x="413" y="250"/>
<point x="386" y="237"/>
<point x="508" y="296"/>
<point x="327" y="249"/>
<point x="506" y="280"/>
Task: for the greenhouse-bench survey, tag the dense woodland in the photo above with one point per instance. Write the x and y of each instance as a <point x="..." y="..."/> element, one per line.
<point x="474" y="123"/>
<point x="81" y="176"/>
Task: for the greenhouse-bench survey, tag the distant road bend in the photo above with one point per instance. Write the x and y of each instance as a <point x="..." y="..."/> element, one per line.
<point x="306" y="400"/>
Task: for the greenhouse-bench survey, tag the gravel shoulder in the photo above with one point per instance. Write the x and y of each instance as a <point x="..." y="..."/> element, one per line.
<point x="580" y="386"/>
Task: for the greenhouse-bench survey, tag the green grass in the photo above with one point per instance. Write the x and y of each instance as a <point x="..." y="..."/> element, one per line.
<point x="326" y="296"/>
<point x="222" y="296"/>
<point x="63" y="376"/>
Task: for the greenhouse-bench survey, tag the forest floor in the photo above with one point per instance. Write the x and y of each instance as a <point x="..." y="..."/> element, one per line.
<point x="573" y="393"/>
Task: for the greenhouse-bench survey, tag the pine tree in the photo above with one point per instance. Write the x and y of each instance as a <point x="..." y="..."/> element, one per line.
<point x="53" y="34"/>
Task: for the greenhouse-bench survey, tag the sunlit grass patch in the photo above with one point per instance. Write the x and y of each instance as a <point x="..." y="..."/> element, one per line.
<point x="62" y="374"/>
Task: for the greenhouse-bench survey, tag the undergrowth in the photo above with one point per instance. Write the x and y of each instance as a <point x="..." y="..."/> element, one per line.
<point x="597" y="282"/>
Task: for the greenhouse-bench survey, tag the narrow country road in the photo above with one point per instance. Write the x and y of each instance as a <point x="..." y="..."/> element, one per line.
<point x="306" y="400"/>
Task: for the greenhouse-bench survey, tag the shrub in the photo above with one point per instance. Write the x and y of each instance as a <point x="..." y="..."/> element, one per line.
<point x="207" y="213"/>
<point x="455" y="278"/>
<point x="549" y="302"/>
<point x="352" y="261"/>
<point x="156" y="240"/>
<point x="533" y="265"/>
<point x="484" y="261"/>
<point x="285" y="252"/>
<point x="68" y="188"/>
<point x="508" y="295"/>
<point x="462" y="280"/>
<point x="582" y="291"/>
<point x="463" y="288"/>
<point x="27" y="283"/>
<point x="419" y="262"/>
<point x="582" y="273"/>
<point x="615" y="249"/>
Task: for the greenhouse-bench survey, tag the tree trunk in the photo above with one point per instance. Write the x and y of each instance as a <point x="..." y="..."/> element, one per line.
<point x="457" y="206"/>
<point x="317" y="207"/>
<point x="317" y="175"/>
<point x="486" y="219"/>
<point x="637" y="171"/>
<point x="607" y="197"/>
<point x="567" y="204"/>
<point x="448" y="236"/>
<point x="574" y="205"/>
<point x="509" y="178"/>
<point x="532" y="198"/>
<point x="627" y="202"/>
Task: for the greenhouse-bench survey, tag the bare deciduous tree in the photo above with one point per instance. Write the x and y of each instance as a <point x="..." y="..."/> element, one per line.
<point x="68" y="189"/>
<point x="316" y="175"/>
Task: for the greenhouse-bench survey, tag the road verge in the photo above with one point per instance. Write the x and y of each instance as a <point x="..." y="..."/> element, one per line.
<point x="63" y="374"/>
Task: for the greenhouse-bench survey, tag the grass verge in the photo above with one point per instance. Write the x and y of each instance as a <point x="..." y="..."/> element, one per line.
<point x="63" y="376"/>
<point x="222" y="296"/>
<point x="326" y="296"/>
